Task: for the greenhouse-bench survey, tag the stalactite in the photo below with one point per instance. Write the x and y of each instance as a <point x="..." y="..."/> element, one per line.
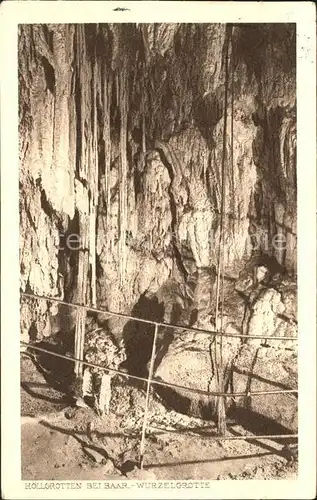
<point x="123" y="103"/>
<point x="143" y="88"/>
<point x="117" y="89"/>
<point x="143" y="144"/>
<point x="107" y="151"/>
<point x="93" y="183"/>
<point x="83" y="76"/>
<point x="220" y="271"/>
<point x="88" y="73"/>
<point x="231" y="133"/>
<point x="81" y="291"/>
<point x="215" y="181"/>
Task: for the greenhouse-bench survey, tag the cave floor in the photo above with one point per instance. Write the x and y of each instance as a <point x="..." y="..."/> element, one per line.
<point x="57" y="445"/>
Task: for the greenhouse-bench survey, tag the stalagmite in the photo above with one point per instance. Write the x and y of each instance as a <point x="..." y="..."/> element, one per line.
<point x="92" y="253"/>
<point x="87" y="382"/>
<point x="105" y="394"/>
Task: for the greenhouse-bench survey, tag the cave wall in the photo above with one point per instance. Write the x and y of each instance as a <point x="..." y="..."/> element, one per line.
<point x="121" y="136"/>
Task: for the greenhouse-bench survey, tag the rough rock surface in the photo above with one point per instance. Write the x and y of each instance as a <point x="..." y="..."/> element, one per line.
<point x="121" y="144"/>
<point x="168" y="97"/>
<point x="267" y="369"/>
<point x="190" y="361"/>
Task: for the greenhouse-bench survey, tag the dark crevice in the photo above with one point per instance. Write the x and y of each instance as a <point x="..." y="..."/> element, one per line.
<point x="138" y="336"/>
<point x="68" y="258"/>
<point x="99" y="268"/>
<point x="46" y="205"/>
<point x="177" y="253"/>
<point x="48" y="36"/>
<point x="59" y="373"/>
<point x="258" y="424"/>
<point x="49" y="75"/>
<point x="31" y="221"/>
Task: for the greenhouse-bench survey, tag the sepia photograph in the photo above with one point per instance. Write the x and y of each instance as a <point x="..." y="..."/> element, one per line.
<point x="158" y="253"/>
<point x="158" y="192"/>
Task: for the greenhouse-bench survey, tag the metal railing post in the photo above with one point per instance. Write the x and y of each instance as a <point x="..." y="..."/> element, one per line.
<point x="142" y="444"/>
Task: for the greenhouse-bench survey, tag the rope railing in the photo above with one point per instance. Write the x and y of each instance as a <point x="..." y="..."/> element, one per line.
<point x="155" y="381"/>
<point x="227" y="438"/>
<point x="150" y="381"/>
<point x="153" y="323"/>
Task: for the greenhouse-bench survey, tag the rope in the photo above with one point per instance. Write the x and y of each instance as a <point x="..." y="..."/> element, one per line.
<point x="251" y="437"/>
<point x="154" y="381"/>
<point x="185" y="329"/>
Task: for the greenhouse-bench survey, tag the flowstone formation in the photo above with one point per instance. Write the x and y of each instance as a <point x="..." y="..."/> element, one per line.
<point x="121" y="144"/>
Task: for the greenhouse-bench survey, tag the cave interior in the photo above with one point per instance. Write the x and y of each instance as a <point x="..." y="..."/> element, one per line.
<point x="144" y="148"/>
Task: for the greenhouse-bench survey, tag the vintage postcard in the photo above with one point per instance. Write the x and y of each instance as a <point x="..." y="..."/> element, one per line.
<point x="158" y="249"/>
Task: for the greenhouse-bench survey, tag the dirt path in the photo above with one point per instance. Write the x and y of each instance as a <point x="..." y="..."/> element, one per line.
<point x="56" y="443"/>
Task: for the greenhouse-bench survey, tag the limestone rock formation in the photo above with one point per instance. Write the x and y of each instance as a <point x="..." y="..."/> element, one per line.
<point x="267" y="369"/>
<point x="121" y="148"/>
